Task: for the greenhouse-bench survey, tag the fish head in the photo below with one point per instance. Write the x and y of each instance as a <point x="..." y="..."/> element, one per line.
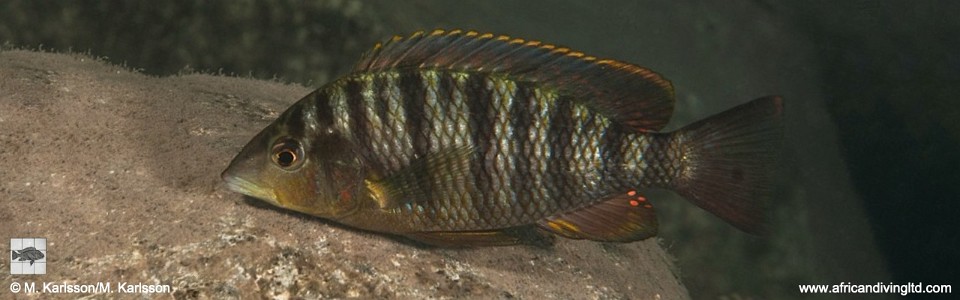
<point x="308" y="168"/>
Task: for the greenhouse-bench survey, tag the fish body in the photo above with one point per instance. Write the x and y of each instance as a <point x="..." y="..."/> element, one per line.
<point x="29" y="253"/>
<point x="458" y="138"/>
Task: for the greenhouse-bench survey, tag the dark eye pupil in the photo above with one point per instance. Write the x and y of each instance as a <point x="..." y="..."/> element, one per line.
<point x="286" y="158"/>
<point x="286" y="153"/>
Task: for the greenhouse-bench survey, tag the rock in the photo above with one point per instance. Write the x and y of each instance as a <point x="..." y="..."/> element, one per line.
<point x="119" y="171"/>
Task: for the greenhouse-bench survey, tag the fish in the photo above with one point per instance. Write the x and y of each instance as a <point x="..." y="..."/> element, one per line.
<point x="458" y="138"/>
<point x="28" y="253"/>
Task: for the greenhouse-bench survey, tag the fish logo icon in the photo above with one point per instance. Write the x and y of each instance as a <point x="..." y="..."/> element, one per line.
<point x="28" y="256"/>
<point x="28" y="253"/>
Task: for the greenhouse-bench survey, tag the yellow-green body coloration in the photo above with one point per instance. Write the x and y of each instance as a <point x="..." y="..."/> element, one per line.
<point x="455" y="138"/>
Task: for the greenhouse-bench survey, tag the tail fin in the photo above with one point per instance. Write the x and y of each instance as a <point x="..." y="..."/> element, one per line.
<point x="731" y="161"/>
<point x="16" y="254"/>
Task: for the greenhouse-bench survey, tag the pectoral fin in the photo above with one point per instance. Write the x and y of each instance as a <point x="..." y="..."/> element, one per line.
<point x="429" y="178"/>
<point x="625" y="217"/>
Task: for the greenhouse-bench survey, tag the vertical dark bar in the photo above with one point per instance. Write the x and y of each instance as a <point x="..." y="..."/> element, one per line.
<point x="559" y="136"/>
<point x="445" y="89"/>
<point x="481" y="124"/>
<point x="381" y="109"/>
<point x="521" y="119"/>
<point x="353" y="91"/>
<point x="381" y="105"/>
<point x="293" y="117"/>
<point x="324" y="108"/>
<point x="611" y="152"/>
<point x="414" y="97"/>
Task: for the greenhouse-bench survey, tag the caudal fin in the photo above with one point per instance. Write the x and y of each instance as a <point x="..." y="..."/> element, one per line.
<point x="15" y="254"/>
<point x="731" y="159"/>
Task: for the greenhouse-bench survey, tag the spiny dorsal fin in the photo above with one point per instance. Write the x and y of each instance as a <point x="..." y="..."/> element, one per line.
<point x="632" y="95"/>
<point x="624" y="217"/>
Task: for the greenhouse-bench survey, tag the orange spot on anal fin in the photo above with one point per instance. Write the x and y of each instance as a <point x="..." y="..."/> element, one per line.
<point x="636" y="199"/>
<point x="615" y="218"/>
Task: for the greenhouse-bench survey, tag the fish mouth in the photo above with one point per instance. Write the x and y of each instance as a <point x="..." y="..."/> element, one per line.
<point x="251" y="189"/>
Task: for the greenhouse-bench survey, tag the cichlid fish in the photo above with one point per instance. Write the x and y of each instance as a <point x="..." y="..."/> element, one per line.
<point x="25" y="254"/>
<point x="456" y="138"/>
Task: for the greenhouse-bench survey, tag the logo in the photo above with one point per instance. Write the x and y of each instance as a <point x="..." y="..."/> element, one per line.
<point x="28" y="256"/>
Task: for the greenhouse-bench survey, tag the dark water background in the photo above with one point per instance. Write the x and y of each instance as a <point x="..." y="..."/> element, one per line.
<point x="872" y="188"/>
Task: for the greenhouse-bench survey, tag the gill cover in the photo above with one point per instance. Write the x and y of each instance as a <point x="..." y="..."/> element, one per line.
<point x="298" y="164"/>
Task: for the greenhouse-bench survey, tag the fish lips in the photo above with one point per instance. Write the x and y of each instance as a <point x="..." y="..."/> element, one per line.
<point x="241" y="175"/>
<point x="243" y="186"/>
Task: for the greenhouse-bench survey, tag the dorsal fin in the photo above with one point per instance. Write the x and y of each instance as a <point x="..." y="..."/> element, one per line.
<point x="635" y="96"/>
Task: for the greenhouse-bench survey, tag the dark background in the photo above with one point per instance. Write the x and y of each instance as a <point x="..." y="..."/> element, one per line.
<point x="887" y="72"/>
<point x="891" y="73"/>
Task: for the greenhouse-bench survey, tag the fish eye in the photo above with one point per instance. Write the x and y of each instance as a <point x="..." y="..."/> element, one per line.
<point x="286" y="157"/>
<point x="287" y="153"/>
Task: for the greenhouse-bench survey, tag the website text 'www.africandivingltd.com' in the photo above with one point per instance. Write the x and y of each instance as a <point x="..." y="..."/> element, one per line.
<point x="876" y="288"/>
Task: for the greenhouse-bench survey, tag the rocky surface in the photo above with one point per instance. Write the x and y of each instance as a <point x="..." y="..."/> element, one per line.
<point x="120" y="172"/>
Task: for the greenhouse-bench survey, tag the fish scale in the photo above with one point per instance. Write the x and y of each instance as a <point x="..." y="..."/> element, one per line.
<point x="462" y="138"/>
<point x="503" y="138"/>
<point x="489" y="205"/>
<point x="391" y="143"/>
<point x="539" y="162"/>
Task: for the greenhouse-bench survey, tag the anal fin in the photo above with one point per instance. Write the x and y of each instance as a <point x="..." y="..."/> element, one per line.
<point x="503" y="237"/>
<point x="623" y="217"/>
